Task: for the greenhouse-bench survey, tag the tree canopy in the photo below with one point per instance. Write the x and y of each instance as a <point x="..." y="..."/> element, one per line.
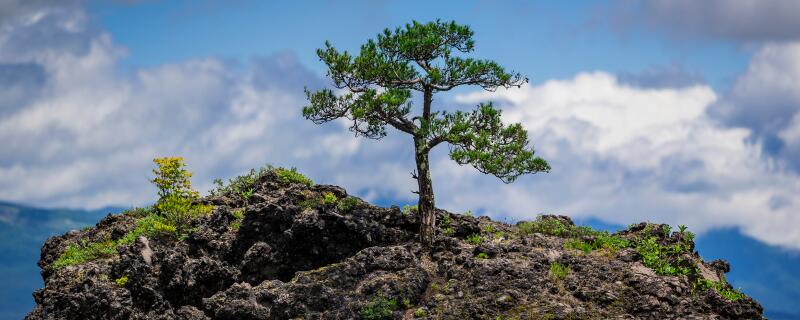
<point x="377" y="87"/>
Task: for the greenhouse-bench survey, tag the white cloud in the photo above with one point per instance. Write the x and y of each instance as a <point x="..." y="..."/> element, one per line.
<point x="766" y="99"/>
<point x="624" y="154"/>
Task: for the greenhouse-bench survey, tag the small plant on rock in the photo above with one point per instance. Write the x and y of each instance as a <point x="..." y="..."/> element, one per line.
<point x="329" y="198"/>
<point x="721" y="287"/>
<point x="121" y="281"/>
<point x="379" y="308"/>
<point x="474" y="239"/>
<point x="559" y="271"/>
<point x="409" y="209"/>
<point x="246" y="194"/>
<point x="239" y="185"/>
<point x="347" y="204"/>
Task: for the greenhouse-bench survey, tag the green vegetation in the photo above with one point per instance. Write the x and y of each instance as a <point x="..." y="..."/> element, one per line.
<point x="315" y="200"/>
<point x="474" y="239"/>
<point x="721" y="287"/>
<point x="171" y="216"/>
<point x="482" y="255"/>
<point x="559" y="271"/>
<point x="663" y="259"/>
<point x="489" y="228"/>
<point x="419" y="313"/>
<point x="241" y="184"/>
<point x="379" y="308"/>
<point x="238" y="216"/>
<point x="409" y="209"/>
<point x="328" y="198"/>
<point x="552" y="227"/>
<point x="375" y="91"/>
<point x="407" y="303"/>
<point x="580" y="245"/>
<point x="84" y="252"/>
<point x="347" y="205"/>
<point x="246" y="194"/>
<point x="122" y="281"/>
<point x="177" y="200"/>
<point x="599" y="240"/>
<point x="448" y="231"/>
<point x="291" y="176"/>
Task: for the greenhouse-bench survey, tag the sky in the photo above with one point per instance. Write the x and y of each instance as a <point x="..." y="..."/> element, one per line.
<point x="681" y="112"/>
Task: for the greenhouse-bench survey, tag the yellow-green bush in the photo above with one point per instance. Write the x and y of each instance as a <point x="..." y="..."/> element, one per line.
<point x="121" y="281"/>
<point x="177" y="200"/>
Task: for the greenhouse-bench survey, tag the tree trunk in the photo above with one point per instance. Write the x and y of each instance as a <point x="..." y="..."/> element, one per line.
<point x="426" y="206"/>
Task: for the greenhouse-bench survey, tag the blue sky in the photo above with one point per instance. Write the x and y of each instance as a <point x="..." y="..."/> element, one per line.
<point x="684" y="112"/>
<point x="547" y="40"/>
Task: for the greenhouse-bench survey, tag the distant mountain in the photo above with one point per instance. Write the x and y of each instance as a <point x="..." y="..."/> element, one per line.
<point x="768" y="274"/>
<point x="23" y="230"/>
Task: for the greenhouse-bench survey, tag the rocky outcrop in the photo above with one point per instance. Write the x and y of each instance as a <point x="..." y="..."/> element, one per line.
<point x="279" y="254"/>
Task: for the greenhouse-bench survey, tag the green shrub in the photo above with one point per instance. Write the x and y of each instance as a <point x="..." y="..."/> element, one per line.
<point x="347" y="205"/>
<point x="474" y="239"/>
<point x="664" y="260"/>
<point x="578" y="245"/>
<point x="177" y="200"/>
<point x="379" y="308"/>
<point x="559" y="271"/>
<point x="489" y="228"/>
<point x="419" y="313"/>
<point x="85" y="252"/>
<point x="241" y="184"/>
<point x="238" y="216"/>
<point x="291" y="176"/>
<point x="545" y="226"/>
<point x="482" y="255"/>
<point x="610" y="242"/>
<point x="172" y="179"/>
<point x="122" y="281"/>
<point x="152" y="225"/>
<point x="409" y="209"/>
<point x="407" y="303"/>
<point x="446" y="220"/>
<point x="180" y="211"/>
<point x="246" y="194"/>
<point x="312" y="202"/>
<point x="721" y="287"/>
<point x="329" y="198"/>
<point x="448" y="231"/>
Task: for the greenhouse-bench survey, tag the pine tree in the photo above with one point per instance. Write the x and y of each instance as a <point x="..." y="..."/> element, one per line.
<point x="427" y="58"/>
